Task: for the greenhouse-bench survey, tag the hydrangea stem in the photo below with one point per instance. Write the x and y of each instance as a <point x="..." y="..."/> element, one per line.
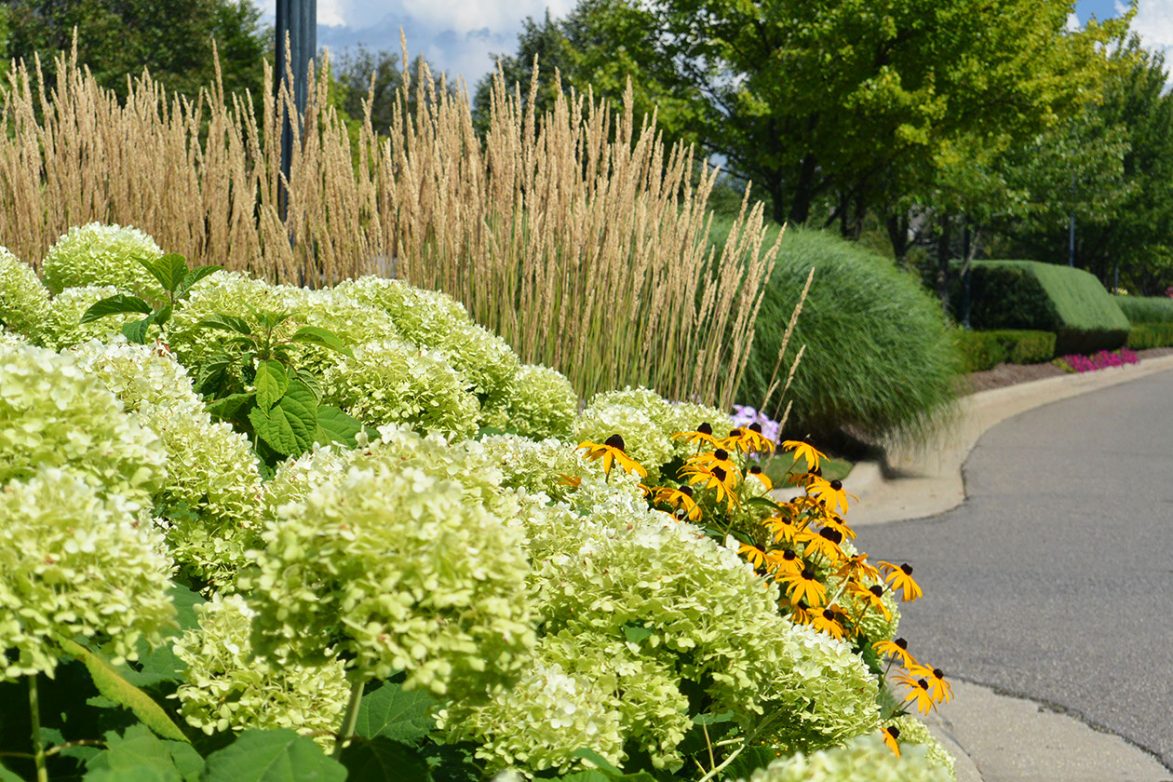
<point x="35" y="721"/>
<point x="350" y="718"/>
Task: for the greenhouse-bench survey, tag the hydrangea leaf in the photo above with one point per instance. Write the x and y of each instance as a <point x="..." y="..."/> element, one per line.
<point x="8" y="776"/>
<point x="115" y="305"/>
<point x="397" y="714"/>
<point x="139" y="754"/>
<point x="301" y="409"/>
<point x="136" y="331"/>
<point x="194" y="276"/>
<point x="115" y="687"/>
<point x="333" y="424"/>
<point x="272" y="756"/>
<point x="313" y="335"/>
<point x="230" y="407"/>
<point x="272" y="382"/>
<point x="224" y="322"/>
<point x="169" y="270"/>
<point x="274" y="428"/>
<point x="381" y="759"/>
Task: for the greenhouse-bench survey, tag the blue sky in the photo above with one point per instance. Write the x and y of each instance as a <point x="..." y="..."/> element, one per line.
<point x="460" y="36"/>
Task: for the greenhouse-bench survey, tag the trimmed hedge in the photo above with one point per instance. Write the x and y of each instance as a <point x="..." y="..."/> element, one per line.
<point x="1044" y="297"/>
<point x="880" y="356"/>
<point x="1146" y="309"/>
<point x="982" y="350"/>
<point x="1150" y="335"/>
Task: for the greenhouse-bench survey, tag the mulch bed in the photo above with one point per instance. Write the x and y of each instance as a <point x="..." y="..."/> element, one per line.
<point x="1012" y="374"/>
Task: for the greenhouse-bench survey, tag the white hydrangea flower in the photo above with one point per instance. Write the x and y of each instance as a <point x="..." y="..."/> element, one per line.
<point x="74" y="562"/>
<point x="542" y="404"/>
<point x="865" y="759"/>
<point x="915" y="732"/>
<point x="97" y="254"/>
<point x="228" y="687"/>
<point x="24" y="301"/>
<point x="61" y="326"/>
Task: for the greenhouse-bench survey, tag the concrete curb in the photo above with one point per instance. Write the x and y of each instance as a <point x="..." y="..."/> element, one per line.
<point x="996" y="737"/>
<point x="916" y="484"/>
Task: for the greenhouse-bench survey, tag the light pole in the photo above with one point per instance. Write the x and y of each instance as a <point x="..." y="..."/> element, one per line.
<point x="297" y="26"/>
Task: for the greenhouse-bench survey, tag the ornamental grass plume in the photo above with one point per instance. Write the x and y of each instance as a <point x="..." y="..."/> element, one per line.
<point x="76" y="562"/>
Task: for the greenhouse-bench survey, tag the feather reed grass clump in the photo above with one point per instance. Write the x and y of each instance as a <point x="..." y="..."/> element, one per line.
<point x="576" y="235"/>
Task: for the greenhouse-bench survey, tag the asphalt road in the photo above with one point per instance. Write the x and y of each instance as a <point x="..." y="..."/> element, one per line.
<point x="1054" y="581"/>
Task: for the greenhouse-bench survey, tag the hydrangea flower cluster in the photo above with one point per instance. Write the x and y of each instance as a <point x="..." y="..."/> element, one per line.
<point x="542" y="404"/>
<point x="228" y="687"/>
<point x="863" y="760"/>
<point x="53" y="413"/>
<point x="550" y="467"/>
<point x="210" y="500"/>
<point x="97" y="254"/>
<point x="395" y="382"/>
<point x="230" y="293"/>
<point x="915" y="732"/>
<point x="74" y="562"/>
<point x="62" y="327"/>
<point x="24" y="301"/>
<point x="395" y="564"/>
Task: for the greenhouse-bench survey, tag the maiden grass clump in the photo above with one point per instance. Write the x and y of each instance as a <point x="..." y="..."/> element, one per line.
<point x="227" y="686"/>
<point x="76" y="562"/>
<point x="24" y="301"/>
<point x="98" y="255"/>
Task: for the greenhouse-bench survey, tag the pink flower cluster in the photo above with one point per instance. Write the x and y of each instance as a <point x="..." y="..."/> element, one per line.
<point x="1101" y="360"/>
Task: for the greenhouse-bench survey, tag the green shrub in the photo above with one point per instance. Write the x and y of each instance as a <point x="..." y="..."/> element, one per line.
<point x="880" y="357"/>
<point x="1150" y="335"/>
<point x="1045" y="297"/>
<point x="1146" y="309"/>
<point x="982" y="350"/>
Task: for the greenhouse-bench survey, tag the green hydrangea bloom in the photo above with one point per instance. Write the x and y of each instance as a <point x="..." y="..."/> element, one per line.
<point x="542" y="404"/>
<point x="547" y="467"/>
<point x="541" y="721"/>
<point x="62" y="327"/>
<point x="435" y="320"/>
<point x="396" y="564"/>
<point x="394" y="382"/>
<point x="96" y="254"/>
<point x="230" y="293"/>
<point x="352" y="322"/>
<point x="913" y="731"/>
<point x="73" y="562"/>
<point x="24" y="301"/>
<point x="228" y="687"/>
<point x="865" y="759"/>
<point x="210" y="502"/>
<point x="54" y="413"/>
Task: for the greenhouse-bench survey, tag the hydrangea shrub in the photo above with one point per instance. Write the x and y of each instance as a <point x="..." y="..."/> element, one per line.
<point x="863" y="760"/>
<point x="24" y="301"/>
<point x="98" y="255"/>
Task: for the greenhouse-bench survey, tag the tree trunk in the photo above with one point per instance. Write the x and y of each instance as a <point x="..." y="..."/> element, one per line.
<point x="804" y="191"/>
<point x="943" y="256"/>
<point x="897" y="226"/>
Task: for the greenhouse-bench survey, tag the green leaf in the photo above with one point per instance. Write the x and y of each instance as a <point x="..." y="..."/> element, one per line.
<point x="712" y="719"/>
<point x="272" y="756"/>
<point x="271" y="320"/>
<point x="136" y="331"/>
<point x="8" y="776"/>
<point x="396" y="714"/>
<point x="301" y="409"/>
<point x="272" y="382"/>
<point x="231" y="407"/>
<point x="312" y="335"/>
<point x="111" y="684"/>
<point x="161" y="664"/>
<point x="169" y="270"/>
<point x="224" y="322"/>
<point x="635" y="633"/>
<point x="336" y="426"/>
<point x="597" y="760"/>
<point x="194" y="276"/>
<point x="383" y="760"/>
<point x="213" y="376"/>
<point x="118" y="304"/>
<point x="139" y="754"/>
<point x="273" y="427"/>
<point x="162" y="315"/>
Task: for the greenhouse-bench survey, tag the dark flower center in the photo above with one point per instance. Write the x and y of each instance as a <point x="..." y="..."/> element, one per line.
<point x="705" y="428"/>
<point x="901" y="643"/>
<point x="755" y="470"/>
<point x="808" y="574"/>
<point x="876" y="590"/>
<point x="616" y="441"/>
<point x="937" y="672"/>
<point x="922" y="684"/>
<point x="718" y="473"/>
<point x="755" y="428"/>
<point x="721" y="454"/>
<point x="833" y="535"/>
<point x="906" y="569"/>
<point x="828" y="614"/>
<point x="894" y="731"/>
<point x="789" y="556"/>
<point x="836" y="485"/>
<point x="685" y="490"/>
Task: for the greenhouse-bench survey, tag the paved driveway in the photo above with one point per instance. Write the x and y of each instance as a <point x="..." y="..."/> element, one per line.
<point x="1054" y="581"/>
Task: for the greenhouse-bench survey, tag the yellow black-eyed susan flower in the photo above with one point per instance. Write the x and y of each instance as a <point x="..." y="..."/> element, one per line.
<point x="748" y="439"/>
<point x="781" y="562"/>
<point x="824" y="543"/>
<point x="782" y="529"/>
<point x="919" y="691"/>
<point x="804" y="586"/>
<point x="828" y="621"/>
<point x="707" y="460"/>
<point x="800" y="612"/>
<point x="891" y="736"/>
<point x="717" y="479"/>
<point x="754" y="555"/>
<point x="836" y="522"/>
<point x="939" y="689"/>
<point x="612" y="451"/>
<point x="830" y="492"/>
<point x="897" y="649"/>
<point x="900" y="577"/>
<point x="805" y="451"/>
<point x="681" y="501"/>
<point x="857" y="567"/>
<point x="703" y="435"/>
<point x="756" y="473"/>
<point x="872" y="597"/>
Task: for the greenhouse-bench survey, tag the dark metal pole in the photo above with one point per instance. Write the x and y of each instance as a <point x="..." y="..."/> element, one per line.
<point x="297" y="22"/>
<point x="1071" y="228"/>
